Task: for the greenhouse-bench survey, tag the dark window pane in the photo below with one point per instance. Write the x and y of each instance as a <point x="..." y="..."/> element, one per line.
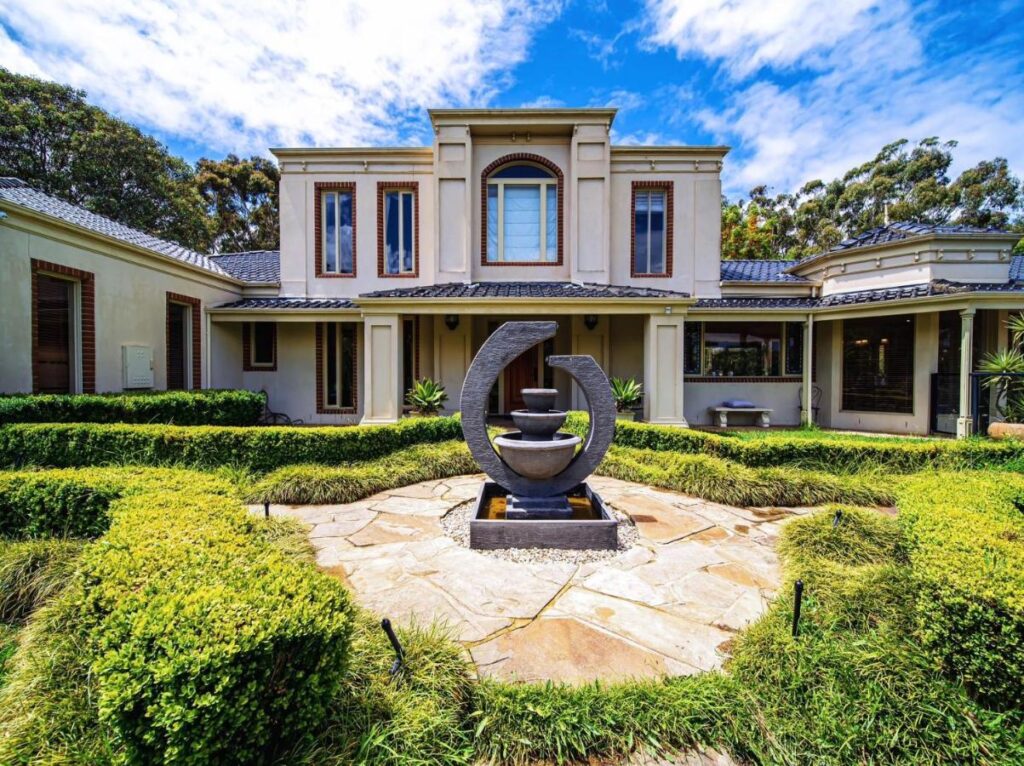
<point x="408" y="354"/>
<point x="331" y="357"/>
<point x="407" y="232"/>
<point x="794" y="348"/>
<point x="345" y="232"/>
<point x="640" y="218"/>
<point x="263" y="343"/>
<point x="749" y="349"/>
<point x="348" y="364"/>
<point x="330" y="221"/>
<point x="392" y="245"/>
<point x="522" y="171"/>
<point x="691" y="348"/>
<point x="492" y="223"/>
<point x="656" y="244"/>
<point x="177" y="346"/>
<point x="878" y="364"/>
<point x="53" y="348"/>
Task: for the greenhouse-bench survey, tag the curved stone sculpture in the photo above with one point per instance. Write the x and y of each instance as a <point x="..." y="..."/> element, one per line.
<point x="498" y="351"/>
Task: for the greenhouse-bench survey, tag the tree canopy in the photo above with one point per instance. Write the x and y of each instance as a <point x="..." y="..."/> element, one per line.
<point x="53" y="139"/>
<point x="903" y="182"/>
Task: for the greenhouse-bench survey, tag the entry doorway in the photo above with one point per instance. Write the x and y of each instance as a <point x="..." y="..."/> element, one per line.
<point x="55" y="335"/>
<point x="522" y="373"/>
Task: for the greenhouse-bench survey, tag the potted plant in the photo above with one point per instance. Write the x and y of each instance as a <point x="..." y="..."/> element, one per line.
<point x="627" y="394"/>
<point x="426" y="396"/>
<point x="1006" y="380"/>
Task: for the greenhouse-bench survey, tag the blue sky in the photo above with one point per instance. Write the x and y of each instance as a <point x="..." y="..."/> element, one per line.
<point x="800" y="90"/>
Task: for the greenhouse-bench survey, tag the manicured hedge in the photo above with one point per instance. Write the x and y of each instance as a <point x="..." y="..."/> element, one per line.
<point x="966" y="536"/>
<point x="184" y="408"/>
<point x="38" y="505"/>
<point x="835" y="453"/>
<point x="256" y="449"/>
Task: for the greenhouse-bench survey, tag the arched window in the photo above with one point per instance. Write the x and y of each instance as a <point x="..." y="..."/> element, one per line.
<point x="522" y="214"/>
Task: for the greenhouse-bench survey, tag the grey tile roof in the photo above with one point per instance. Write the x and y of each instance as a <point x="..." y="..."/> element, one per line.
<point x="900" y="230"/>
<point x="289" y="303"/>
<point x="928" y="289"/>
<point x="758" y="271"/>
<point x="524" y="290"/>
<point x="1017" y="268"/>
<point x="18" y="192"/>
<point x="255" y="266"/>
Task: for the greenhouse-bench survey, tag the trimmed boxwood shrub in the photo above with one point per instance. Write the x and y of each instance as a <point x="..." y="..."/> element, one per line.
<point x="836" y="453"/>
<point x="966" y="534"/>
<point x="185" y="408"/>
<point x="256" y="449"/>
<point x="38" y="505"/>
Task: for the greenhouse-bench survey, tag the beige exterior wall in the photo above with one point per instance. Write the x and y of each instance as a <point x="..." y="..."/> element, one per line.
<point x="782" y="398"/>
<point x="130" y="299"/>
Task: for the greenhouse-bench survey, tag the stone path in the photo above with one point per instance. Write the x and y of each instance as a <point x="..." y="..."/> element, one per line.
<point x="668" y="606"/>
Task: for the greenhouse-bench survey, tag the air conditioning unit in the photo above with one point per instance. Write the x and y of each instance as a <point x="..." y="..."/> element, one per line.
<point x="137" y="365"/>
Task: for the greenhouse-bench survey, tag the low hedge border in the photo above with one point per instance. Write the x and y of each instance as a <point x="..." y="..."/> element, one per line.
<point x="260" y="449"/>
<point x="835" y="454"/>
<point x="186" y="408"/>
<point x="966" y="534"/>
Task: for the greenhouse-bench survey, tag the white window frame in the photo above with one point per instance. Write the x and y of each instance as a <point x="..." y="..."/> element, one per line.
<point x="252" y="347"/>
<point x="664" y="233"/>
<point x="543" y="184"/>
<point x="337" y="193"/>
<point x="340" y="367"/>
<point x="401" y="231"/>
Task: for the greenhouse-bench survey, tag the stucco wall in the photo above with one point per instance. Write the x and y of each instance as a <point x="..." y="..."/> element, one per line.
<point x="782" y="398"/>
<point x="130" y="299"/>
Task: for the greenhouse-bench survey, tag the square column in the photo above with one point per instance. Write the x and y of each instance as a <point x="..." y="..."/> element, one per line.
<point x="382" y="359"/>
<point x="663" y="369"/>
<point x="589" y="342"/>
<point x="807" y="405"/>
<point x="964" y="423"/>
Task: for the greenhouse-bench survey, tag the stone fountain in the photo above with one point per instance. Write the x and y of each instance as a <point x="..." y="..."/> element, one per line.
<point x="538" y="496"/>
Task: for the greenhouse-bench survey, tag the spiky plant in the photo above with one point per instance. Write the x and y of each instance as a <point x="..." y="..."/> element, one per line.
<point x="626" y="392"/>
<point x="426" y="396"/>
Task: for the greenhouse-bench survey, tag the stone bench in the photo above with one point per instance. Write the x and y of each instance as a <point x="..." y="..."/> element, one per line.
<point x="722" y="413"/>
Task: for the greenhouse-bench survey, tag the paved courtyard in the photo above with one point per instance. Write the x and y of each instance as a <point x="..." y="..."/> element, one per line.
<point x="671" y="604"/>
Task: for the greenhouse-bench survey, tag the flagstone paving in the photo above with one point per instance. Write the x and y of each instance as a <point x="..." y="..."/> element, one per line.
<point x="670" y="605"/>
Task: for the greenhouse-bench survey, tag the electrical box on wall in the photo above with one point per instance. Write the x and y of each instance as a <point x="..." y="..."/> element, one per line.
<point x="137" y="364"/>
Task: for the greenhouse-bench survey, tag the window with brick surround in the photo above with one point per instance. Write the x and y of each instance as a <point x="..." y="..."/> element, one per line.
<point x="184" y="342"/>
<point x="63" y="329"/>
<point x="521" y="212"/>
<point x="337" y="362"/>
<point x="398" y="230"/>
<point x="335" y="229"/>
<point x="651" y="241"/>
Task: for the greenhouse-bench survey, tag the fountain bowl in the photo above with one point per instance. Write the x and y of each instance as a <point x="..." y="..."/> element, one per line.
<point x="537" y="459"/>
<point x="539" y="399"/>
<point x="536" y="426"/>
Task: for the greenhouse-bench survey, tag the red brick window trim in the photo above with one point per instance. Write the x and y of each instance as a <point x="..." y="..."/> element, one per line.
<point x="196" y="332"/>
<point x="383" y="187"/>
<point x="249" y="330"/>
<point x="86" y="321"/>
<point x="641" y="186"/>
<point x="321" y="370"/>
<point x="513" y="159"/>
<point x="318" y="234"/>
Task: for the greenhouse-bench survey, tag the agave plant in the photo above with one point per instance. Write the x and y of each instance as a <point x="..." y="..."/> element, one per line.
<point x="426" y="396"/>
<point x="1005" y="369"/>
<point x="626" y="392"/>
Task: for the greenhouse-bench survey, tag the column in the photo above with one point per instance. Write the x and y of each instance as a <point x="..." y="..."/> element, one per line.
<point x="964" y="423"/>
<point x="807" y="410"/>
<point x="382" y="376"/>
<point x="589" y="342"/>
<point x="663" y="369"/>
<point x="452" y="354"/>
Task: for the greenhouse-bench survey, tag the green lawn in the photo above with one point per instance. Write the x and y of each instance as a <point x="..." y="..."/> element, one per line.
<point x="910" y="649"/>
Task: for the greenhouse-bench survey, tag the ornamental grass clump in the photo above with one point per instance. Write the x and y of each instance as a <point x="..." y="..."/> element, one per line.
<point x="33" y="571"/>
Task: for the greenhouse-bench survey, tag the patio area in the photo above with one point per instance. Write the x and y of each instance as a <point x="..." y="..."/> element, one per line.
<point x="668" y="605"/>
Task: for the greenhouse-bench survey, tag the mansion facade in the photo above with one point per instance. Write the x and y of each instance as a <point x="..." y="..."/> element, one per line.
<point x="397" y="263"/>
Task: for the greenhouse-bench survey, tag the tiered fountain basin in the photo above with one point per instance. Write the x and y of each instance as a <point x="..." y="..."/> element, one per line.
<point x="538" y="450"/>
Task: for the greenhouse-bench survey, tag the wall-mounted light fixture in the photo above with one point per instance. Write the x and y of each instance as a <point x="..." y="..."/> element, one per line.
<point x="451" y="321"/>
<point x="590" y="321"/>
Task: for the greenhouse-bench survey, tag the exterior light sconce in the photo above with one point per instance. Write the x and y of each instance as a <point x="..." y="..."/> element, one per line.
<point x="1002" y="255"/>
<point x="970" y="255"/>
<point x="590" y="321"/>
<point x="652" y="164"/>
<point x="878" y="263"/>
<point x="668" y="310"/>
<point x="451" y="321"/>
<point x="939" y="254"/>
<point x="917" y="257"/>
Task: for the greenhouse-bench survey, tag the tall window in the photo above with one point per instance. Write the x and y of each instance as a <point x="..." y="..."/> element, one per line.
<point x="743" y="349"/>
<point x="259" y="346"/>
<point x="878" y="364"/>
<point x="179" y="344"/>
<point x="410" y="339"/>
<point x="336" y="238"/>
<point x="55" y="339"/>
<point x="651" y="242"/>
<point x="522" y="215"/>
<point x="398" y="239"/>
<point x="339" y="348"/>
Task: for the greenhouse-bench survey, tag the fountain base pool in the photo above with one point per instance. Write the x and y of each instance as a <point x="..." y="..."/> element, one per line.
<point x="586" y="525"/>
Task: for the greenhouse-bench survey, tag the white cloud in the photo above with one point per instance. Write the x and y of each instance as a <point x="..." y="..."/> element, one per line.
<point x="749" y="34"/>
<point x="241" y="75"/>
<point x="815" y="89"/>
<point x="543" y="102"/>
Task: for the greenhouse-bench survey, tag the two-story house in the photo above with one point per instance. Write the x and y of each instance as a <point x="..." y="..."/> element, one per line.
<point x="396" y="263"/>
